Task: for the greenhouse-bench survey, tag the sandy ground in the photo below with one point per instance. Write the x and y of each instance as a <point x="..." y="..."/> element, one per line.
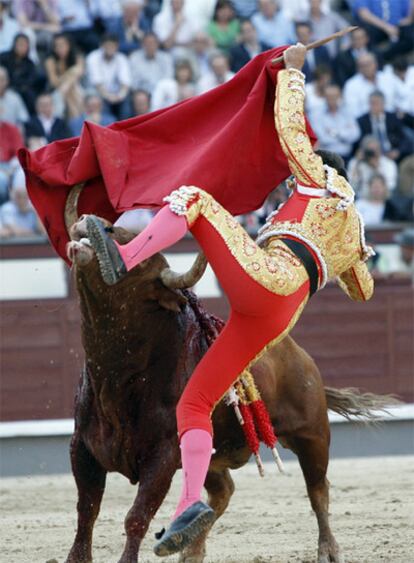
<point x="269" y="520"/>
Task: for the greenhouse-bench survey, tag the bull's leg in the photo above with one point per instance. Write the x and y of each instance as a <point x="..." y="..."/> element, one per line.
<point x="313" y="454"/>
<point x="220" y="487"/>
<point x="90" y="480"/>
<point x="156" y="479"/>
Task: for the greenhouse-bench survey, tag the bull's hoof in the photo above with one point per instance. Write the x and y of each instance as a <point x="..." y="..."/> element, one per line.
<point x="110" y="260"/>
<point x="330" y="554"/>
<point x="185" y="529"/>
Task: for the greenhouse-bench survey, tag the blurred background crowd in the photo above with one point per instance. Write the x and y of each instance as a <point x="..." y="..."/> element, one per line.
<point x="66" y="61"/>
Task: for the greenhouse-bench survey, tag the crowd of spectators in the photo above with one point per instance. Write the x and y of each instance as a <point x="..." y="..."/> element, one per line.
<point x="66" y="61"/>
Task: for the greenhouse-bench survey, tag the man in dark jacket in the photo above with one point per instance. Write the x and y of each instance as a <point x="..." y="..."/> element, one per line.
<point x="44" y="123"/>
<point x="385" y="126"/>
<point x="345" y="63"/>
<point x="315" y="57"/>
<point x="248" y="47"/>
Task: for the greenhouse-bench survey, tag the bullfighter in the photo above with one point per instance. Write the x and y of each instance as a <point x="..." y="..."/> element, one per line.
<point x="316" y="236"/>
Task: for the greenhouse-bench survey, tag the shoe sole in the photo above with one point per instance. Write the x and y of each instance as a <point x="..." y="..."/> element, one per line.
<point x="180" y="540"/>
<point x="98" y="243"/>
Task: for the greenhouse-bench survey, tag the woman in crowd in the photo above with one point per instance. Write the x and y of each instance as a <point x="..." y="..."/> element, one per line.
<point x="23" y="76"/>
<point x="64" y="69"/>
<point x="225" y="27"/>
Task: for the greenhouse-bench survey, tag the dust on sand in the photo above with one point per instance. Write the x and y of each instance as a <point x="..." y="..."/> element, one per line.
<point x="268" y="521"/>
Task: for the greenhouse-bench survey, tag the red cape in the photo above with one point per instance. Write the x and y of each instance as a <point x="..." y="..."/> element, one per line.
<point x="223" y="141"/>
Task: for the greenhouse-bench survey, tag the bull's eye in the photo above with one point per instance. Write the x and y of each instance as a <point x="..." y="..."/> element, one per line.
<point x="109" y="230"/>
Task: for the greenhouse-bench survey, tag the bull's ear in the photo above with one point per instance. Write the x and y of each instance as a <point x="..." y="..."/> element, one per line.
<point x="170" y="299"/>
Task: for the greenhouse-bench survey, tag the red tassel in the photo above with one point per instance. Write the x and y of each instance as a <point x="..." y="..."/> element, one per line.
<point x="263" y="423"/>
<point x="249" y="428"/>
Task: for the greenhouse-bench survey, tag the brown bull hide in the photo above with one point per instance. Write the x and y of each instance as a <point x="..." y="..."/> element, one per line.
<point x="142" y="342"/>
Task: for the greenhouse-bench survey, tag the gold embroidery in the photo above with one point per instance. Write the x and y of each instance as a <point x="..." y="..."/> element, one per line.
<point x="274" y="267"/>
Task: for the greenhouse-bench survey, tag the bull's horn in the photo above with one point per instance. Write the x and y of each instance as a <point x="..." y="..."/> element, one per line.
<point x="174" y="280"/>
<point x="71" y="206"/>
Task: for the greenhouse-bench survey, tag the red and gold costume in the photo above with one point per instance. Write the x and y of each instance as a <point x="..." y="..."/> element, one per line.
<point x="266" y="283"/>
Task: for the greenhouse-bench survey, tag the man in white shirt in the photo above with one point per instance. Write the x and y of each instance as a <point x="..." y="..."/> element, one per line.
<point x="12" y="108"/>
<point x="108" y="71"/>
<point x="174" y="28"/>
<point x="335" y="128"/>
<point x="358" y="88"/>
<point x="219" y="73"/>
<point x="272" y="25"/>
<point x="149" y="65"/>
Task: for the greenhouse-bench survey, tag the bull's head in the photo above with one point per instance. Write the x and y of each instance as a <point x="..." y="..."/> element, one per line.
<point x="83" y="256"/>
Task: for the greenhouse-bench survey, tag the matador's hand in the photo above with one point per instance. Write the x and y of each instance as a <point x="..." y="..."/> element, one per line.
<point x="294" y="56"/>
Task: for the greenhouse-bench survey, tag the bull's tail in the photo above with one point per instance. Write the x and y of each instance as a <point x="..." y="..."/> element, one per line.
<point x="350" y="403"/>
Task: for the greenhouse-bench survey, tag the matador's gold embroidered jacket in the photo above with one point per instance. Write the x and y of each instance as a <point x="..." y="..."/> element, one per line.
<point x="321" y="211"/>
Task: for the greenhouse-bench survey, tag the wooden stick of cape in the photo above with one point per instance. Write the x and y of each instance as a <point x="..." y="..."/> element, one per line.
<point x="315" y="44"/>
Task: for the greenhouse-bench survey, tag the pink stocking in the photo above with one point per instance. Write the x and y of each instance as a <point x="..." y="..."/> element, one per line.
<point x="165" y="229"/>
<point x="196" y="447"/>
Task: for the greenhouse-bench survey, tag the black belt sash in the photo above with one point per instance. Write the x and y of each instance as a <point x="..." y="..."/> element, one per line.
<point x="308" y="261"/>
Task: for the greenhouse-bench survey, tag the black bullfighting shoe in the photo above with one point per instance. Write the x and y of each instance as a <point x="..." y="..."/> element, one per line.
<point x="185" y="529"/>
<point x="110" y="261"/>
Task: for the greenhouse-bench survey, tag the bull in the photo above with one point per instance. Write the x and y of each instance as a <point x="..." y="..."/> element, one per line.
<point x="142" y="339"/>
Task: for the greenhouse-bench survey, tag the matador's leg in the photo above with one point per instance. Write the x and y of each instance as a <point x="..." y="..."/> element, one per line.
<point x="189" y="207"/>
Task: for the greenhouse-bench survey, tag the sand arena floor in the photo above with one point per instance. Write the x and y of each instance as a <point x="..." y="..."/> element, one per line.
<point x="269" y="520"/>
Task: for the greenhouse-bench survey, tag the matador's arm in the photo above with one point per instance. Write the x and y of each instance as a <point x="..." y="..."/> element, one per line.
<point x="290" y="125"/>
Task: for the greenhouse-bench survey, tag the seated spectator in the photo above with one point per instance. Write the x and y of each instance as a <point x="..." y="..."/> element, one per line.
<point x="358" y="88"/>
<point x="12" y="108"/>
<point x="170" y="91"/>
<point x="373" y="207"/>
<point x="273" y="26"/>
<point x="225" y="27"/>
<point x="368" y="161"/>
<point x="345" y="63"/>
<point x="11" y="141"/>
<point x="402" y="76"/>
<point x="314" y="57"/>
<point x="131" y="26"/>
<point x="387" y="20"/>
<point x="77" y="21"/>
<point x="315" y="90"/>
<point x="17" y="216"/>
<point x="336" y="130"/>
<point x="93" y="111"/>
<point x="64" y="69"/>
<point x="248" y="47"/>
<point x="21" y="69"/>
<point x="219" y="73"/>
<point x="41" y="16"/>
<point x="326" y="23"/>
<point x="141" y="103"/>
<point x="201" y="50"/>
<point x="198" y="13"/>
<point x="108" y="71"/>
<point x="9" y="27"/>
<point x="150" y="64"/>
<point x="173" y="27"/>
<point x="385" y="126"/>
<point x="45" y="123"/>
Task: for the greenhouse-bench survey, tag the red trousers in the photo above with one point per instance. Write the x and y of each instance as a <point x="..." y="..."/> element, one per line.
<point x="258" y="317"/>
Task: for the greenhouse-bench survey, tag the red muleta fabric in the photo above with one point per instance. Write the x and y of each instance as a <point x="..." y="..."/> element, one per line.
<point x="223" y="141"/>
